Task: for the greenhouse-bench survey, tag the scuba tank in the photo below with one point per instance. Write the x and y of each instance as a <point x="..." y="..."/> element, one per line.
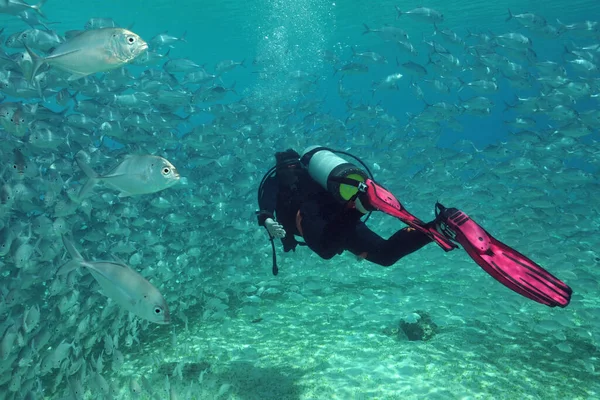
<point x="331" y="171"/>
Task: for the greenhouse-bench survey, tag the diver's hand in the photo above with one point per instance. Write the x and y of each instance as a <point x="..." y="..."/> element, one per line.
<point x="274" y="228"/>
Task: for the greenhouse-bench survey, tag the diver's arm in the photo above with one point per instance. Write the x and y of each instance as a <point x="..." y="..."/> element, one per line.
<point x="267" y="201"/>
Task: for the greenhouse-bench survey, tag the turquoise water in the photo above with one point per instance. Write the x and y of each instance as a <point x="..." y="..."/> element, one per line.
<point x="320" y="329"/>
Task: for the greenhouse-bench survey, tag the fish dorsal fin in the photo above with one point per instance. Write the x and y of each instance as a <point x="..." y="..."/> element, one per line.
<point x="72" y="34"/>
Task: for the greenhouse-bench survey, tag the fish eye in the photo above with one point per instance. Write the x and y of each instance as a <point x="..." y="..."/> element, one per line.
<point x="166" y="170"/>
<point x="158" y="310"/>
<point x="131" y="40"/>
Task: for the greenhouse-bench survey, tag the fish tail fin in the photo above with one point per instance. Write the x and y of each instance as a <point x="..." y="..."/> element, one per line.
<point x="399" y="11"/>
<point x="367" y="29"/>
<point x="77" y="260"/>
<point x="68" y="267"/>
<point x="37" y="63"/>
<point x="90" y="173"/>
<point x="38" y="86"/>
<point x="38" y="8"/>
<point x="86" y="189"/>
<point x="509" y="15"/>
<point x="182" y="38"/>
<point x="73" y="252"/>
<point x="87" y="170"/>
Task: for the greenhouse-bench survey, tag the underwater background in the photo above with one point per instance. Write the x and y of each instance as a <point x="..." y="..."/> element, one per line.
<point x="519" y="154"/>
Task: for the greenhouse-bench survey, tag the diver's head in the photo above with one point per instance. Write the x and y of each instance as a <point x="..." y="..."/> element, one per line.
<point x="288" y="163"/>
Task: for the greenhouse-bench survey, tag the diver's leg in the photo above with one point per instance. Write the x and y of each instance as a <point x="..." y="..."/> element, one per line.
<point x="365" y="243"/>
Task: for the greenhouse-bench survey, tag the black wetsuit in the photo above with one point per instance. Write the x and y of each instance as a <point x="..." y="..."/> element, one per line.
<point x="328" y="227"/>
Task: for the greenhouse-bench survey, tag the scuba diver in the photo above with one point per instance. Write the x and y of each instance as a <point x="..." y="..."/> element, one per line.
<point x="322" y="198"/>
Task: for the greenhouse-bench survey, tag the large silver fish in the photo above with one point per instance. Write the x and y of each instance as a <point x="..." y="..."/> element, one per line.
<point x="122" y="284"/>
<point x="92" y="51"/>
<point x="136" y="174"/>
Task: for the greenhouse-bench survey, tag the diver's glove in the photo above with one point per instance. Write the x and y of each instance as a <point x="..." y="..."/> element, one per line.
<point x="262" y="216"/>
<point x="274" y="228"/>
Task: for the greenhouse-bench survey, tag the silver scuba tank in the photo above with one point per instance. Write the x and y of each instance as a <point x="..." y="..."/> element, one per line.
<point x="325" y="166"/>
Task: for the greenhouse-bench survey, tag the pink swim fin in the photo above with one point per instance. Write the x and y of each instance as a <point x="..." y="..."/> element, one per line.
<point x="503" y="263"/>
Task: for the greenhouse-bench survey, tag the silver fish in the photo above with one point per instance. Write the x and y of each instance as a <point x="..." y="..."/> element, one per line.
<point x="136" y="174"/>
<point x="422" y="13"/>
<point x="6" y="239"/>
<point x="99" y="23"/>
<point x="92" y="51"/>
<point x="412" y="68"/>
<point x="122" y="284"/>
<point x="528" y="20"/>
<point x="14" y="7"/>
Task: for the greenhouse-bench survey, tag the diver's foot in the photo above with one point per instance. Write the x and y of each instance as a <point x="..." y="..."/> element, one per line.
<point x="442" y="214"/>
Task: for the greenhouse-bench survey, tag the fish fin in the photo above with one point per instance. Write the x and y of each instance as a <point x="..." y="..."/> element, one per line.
<point x="124" y="194"/>
<point x="72" y="33"/>
<point x="68" y="267"/>
<point x="37" y="63"/>
<point x="86" y="189"/>
<point x="87" y="170"/>
<point x="399" y="12"/>
<point x="38" y="8"/>
<point x="75" y="263"/>
<point x="92" y="181"/>
<point x="71" y="249"/>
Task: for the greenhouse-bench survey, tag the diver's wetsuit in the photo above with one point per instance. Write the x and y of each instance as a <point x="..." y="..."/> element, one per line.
<point x="328" y="227"/>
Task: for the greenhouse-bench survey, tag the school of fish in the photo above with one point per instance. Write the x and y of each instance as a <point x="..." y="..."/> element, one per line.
<point x="123" y="221"/>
